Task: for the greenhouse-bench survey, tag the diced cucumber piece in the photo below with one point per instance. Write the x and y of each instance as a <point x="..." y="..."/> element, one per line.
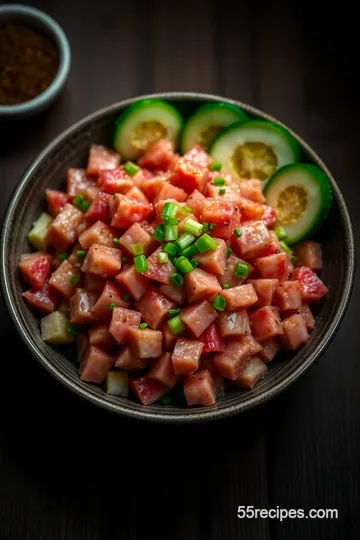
<point x="255" y="149"/>
<point x="117" y="383"/>
<point x="144" y="122"/>
<point x="37" y="235"/>
<point x="302" y="196"/>
<point x="55" y="329"/>
<point x="207" y="121"/>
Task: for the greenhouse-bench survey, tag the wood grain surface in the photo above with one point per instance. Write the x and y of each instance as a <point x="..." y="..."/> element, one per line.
<point x="72" y="472"/>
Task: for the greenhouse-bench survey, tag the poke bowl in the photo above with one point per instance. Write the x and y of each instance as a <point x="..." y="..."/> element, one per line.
<point x="171" y="257"/>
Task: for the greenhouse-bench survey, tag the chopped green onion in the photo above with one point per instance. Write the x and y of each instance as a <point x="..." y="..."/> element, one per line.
<point x="169" y="210"/>
<point x="286" y="247"/>
<point x="225" y="286"/>
<point x="163" y="258"/>
<point x="212" y="226"/>
<point x="111" y="306"/>
<point x="81" y="254"/>
<point x="143" y="325"/>
<point x="237" y="232"/>
<point x="229" y="252"/>
<point x="173" y="312"/>
<point x="171" y="221"/>
<point x="115" y="240"/>
<point x="171" y="233"/>
<point x="293" y="259"/>
<point x="141" y="264"/>
<point x="281" y="233"/>
<point x="130" y="168"/>
<point x="219" y="182"/>
<point x="78" y="200"/>
<point x="171" y="249"/>
<point x="137" y="249"/>
<point x="185" y="240"/>
<point x="205" y="243"/>
<point x="186" y="211"/>
<point x="177" y="279"/>
<point x="219" y="303"/>
<point x="124" y="260"/>
<point x="184" y="265"/>
<point x="216" y="166"/>
<point x="159" y="232"/>
<point x="222" y="191"/>
<point x="62" y="256"/>
<point x="72" y="330"/>
<point x="84" y="206"/>
<point x="164" y="400"/>
<point x="206" y="226"/>
<point x="126" y="297"/>
<point x="75" y="279"/>
<point x="194" y="263"/>
<point x="114" y="196"/>
<point x="193" y="227"/>
<point x="241" y="270"/>
<point x="176" y="325"/>
<point x="189" y="251"/>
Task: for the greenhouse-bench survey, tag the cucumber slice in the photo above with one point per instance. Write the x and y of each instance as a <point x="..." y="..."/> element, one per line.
<point x="37" y="235"/>
<point x="55" y="329"/>
<point x="144" y="122"/>
<point x="254" y="149"/>
<point x="302" y="196"/>
<point x="207" y="121"/>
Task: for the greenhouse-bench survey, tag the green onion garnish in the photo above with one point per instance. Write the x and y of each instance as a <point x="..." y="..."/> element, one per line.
<point x="143" y="325"/>
<point x="193" y="227"/>
<point x="205" y="243"/>
<point x="62" y="256"/>
<point x="171" y="249"/>
<point x="171" y="233"/>
<point x="219" y="182"/>
<point x="241" y="270"/>
<point x="206" y="226"/>
<point x="237" y="232"/>
<point x="212" y="226"/>
<point x="184" y="265"/>
<point x="219" y="303"/>
<point x="286" y="247"/>
<point x="137" y="249"/>
<point x="126" y="297"/>
<point x="173" y="312"/>
<point x="222" y="191"/>
<point x="159" y="232"/>
<point x="176" y="325"/>
<point x="111" y="306"/>
<point x="186" y="211"/>
<point x="194" y="263"/>
<point x="216" y="166"/>
<point x="171" y="221"/>
<point x="81" y="254"/>
<point x="280" y="233"/>
<point x="293" y="259"/>
<point x="225" y="286"/>
<point x="75" y="279"/>
<point x="130" y="168"/>
<point x="163" y="258"/>
<point x="177" y="279"/>
<point x="114" y="196"/>
<point x="115" y="240"/>
<point x="185" y="240"/>
<point x="164" y="400"/>
<point x="72" y="330"/>
<point x="124" y="260"/>
<point x="84" y="206"/>
<point x="78" y="200"/>
<point x="189" y="251"/>
<point x="141" y="264"/>
<point x="229" y="252"/>
<point x="169" y="210"/>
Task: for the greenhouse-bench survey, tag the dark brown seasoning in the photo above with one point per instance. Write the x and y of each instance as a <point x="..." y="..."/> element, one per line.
<point x="29" y="61"/>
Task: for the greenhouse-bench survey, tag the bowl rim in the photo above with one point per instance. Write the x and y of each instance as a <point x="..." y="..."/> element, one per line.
<point x="29" y="13"/>
<point x="202" y="415"/>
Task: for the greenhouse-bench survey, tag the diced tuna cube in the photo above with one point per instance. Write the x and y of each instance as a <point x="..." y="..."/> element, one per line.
<point x="126" y="360"/>
<point x="134" y="283"/>
<point x="200" y="285"/>
<point x="273" y="266"/>
<point x="269" y="216"/>
<point x="253" y="372"/>
<point x="146" y="390"/>
<point x="232" y="192"/>
<point x="73" y="257"/>
<point x="265" y="290"/>
<point x="81" y="344"/>
<point x="122" y="319"/>
<point x="234" y="324"/>
<point x="91" y="193"/>
<point x="159" y="155"/>
<point x="81" y="304"/>
<point x="223" y="231"/>
<point x="136" y="235"/>
<point x="229" y="276"/>
<point x="214" y="261"/>
<point x="100" y="336"/>
<point x="77" y="181"/>
<point x="111" y="294"/>
<point x="309" y="254"/>
<point x="100" y="233"/>
<point x="217" y="211"/>
<point x="96" y="365"/>
<point x="145" y="343"/>
<point x="199" y="388"/>
<point x="308" y="317"/>
<point x="169" y="339"/>
<point x="232" y="361"/>
<point x="198" y="156"/>
<point x="102" y="261"/>
<point x="35" y="268"/>
<point x="115" y="181"/>
<point x="130" y="211"/>
<point x="176" y="294"/>
<point x="255" y="346"/>
<point x="151" y="185"/>
<point x="64" y="307"/>
<point x="56" y="201"/>
<point x="295" y="332"/>
<point x="198" y="317"/>
<point x="99" y="208"/>
<point x="266" y="323"/>
<point x="168" y="191"/>
<point x="43" y="300"/>
<point x="157" y="271"/>
<point x="288" y="295"/>
<point x="137" y="194"/>
<point x="83" y="225"/>
<point x="62" y="231"/>
<point x="64" y="280"/>
<point x="251" y="210"/>
<point x="312" y="288"/>
<point x="206" y="362"/>
<point x="186" y="356"/>
<point x="189" y="176"/>
<point x="212" y="340"/>
<point x="162" y="371"/>
<point x="252" y="189"/>
<point x="254" y="237"/>
<point x="94" y="284"/>
<point x="154" y="308"/>
<point x="196" y="202"/>
<point x="101" y="158"/>
<point x="270" y="349"/>
<point x="242" y="296"/>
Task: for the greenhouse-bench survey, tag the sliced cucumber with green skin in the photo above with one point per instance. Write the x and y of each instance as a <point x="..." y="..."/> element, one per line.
<point x="207" y="121"/>
<point x="302" y="196"/>
<point x="255" y="149"/>
<point x="144" y="122"/>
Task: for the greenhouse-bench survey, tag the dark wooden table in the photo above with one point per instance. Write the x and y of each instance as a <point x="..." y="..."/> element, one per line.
<point x="69" y="471"/>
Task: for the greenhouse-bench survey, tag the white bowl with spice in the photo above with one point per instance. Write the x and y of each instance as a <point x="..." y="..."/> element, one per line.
<point x="35" y="59"/>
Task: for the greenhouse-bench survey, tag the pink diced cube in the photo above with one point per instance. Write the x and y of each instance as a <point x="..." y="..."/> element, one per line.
<point x="158" y="271"/>
<point x="127" y="360"/>
<point x="186" y="356"/>
<point x="81" y="344"/>
<point x="229" y="276"/>
<point x="200" y="285"/>
<point x="146" y="390"/>
<point x="214" y="261"/>
<point x="174" y="293"/>
<point x="198" y="155"/>
<point x="65" y="279"/>
<point x="99" y="233"/>
<point x="111" y="294"/>
<point x="273" y="266"/>
<point x="308" y="317"/>
<point x="94" y="284"/>
<point x="145" y="343"/>
<point x="253" y="372"/>
<point x="136" y="235"/>
<point x="242" y="296"/>
<point x="154" y="308"/>
<point x="199" y="388"/>
<point x="255" y="346"/>
<point x="198" y="317"/>
<point x="134" y="283"/>
<point x="266" y="323"/>
<point x="254" y="237"/>
<point x="95" y="365"/>
<point x="101" y="158"/>
<point x="162" y="370"/>
<point x="99" y="210"/>
<point x="169" y="339"/>
<point x="212" y="340"/>
<point x="252" y="189"/>
<point x="122" y="319"/>
<point x="81" y="304"/>
<point x="100" y="336"/>
<point x="265" y="289"/>
<point x="196" y="202"/>
<point x="231" y="362"/>
<point x="312" y="288"/>
<point x="189" y="176"/>
<point x="295" y="332"/>
<point x="77" y="181"/>
<point x="137" y="194"/>
<point x="234" y="324"/>
<point x="159" y="155"/>
<point x="62" y="231"/>
<point x="288" y="295"/>
<point x="102" y="261"/>
<point x="270" y="349"/>
<point x="114" y="181"/>
<point x="168" y="191"/>
<point x="309" y="254"/>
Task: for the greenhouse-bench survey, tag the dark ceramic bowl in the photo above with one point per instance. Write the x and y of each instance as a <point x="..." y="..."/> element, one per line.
<point x="48" y="171"/>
